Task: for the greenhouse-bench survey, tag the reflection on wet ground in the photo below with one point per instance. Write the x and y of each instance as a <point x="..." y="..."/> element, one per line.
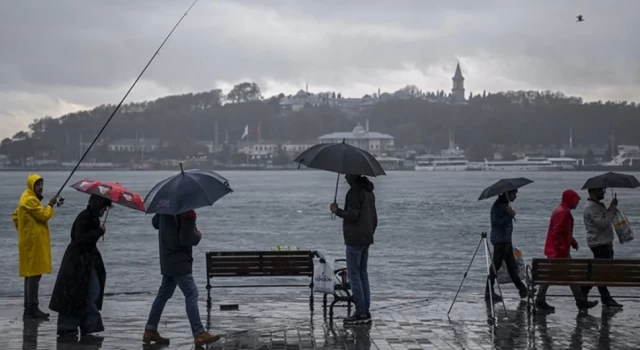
<point x="398" y="324"/>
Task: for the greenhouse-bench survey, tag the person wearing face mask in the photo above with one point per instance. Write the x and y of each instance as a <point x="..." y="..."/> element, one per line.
<point x="598" y="222"/>
<point x="502" y="216"/>
<point x="79" y="290"/>
<point x="31" y="220"/>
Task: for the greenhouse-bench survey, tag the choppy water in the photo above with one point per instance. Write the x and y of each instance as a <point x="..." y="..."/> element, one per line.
<point x="419" y="242"/>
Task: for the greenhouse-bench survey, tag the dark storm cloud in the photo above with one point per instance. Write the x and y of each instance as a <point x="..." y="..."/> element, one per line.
<point x="84" y="53"/>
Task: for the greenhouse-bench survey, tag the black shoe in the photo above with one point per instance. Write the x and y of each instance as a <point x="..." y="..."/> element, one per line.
<point x="585" y="305"/>
<point x="524" y="293"/>
<point x="612" y="304"/>
<point x="496" y="298"/>
<point x="368" y="315"/>
<point x="543" y="306"/>
<point x="35" y="313"/>
<point x="357" y="319"/>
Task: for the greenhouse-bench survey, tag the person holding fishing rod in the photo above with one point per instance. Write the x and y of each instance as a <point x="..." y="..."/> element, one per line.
<point x="34" y="244"/>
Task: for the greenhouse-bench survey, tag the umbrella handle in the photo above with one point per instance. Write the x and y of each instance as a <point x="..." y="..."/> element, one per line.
<point x="335" y="196"/>
<point x="105" y="221"/>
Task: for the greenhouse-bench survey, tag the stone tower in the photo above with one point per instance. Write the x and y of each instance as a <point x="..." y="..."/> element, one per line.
<point x="458" y="85"/>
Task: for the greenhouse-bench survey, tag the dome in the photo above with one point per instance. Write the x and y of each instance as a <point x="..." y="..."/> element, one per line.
<point x="359" y="130"/>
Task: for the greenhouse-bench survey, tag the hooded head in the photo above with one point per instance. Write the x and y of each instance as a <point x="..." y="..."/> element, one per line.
<point x="98" y="205"/>
<point x="570" y="199"/>
<point x="35" y="184"/>
<point x="359" y="181"/>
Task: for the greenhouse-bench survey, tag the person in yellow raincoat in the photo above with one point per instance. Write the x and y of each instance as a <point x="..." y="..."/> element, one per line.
<point x="34" y="246"/>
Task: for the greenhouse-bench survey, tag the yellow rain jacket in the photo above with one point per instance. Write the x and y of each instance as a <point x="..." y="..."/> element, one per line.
<point x="31" y="220"/>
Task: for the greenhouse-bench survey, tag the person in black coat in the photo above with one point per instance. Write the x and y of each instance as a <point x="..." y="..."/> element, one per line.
<point x="79" y="290"/>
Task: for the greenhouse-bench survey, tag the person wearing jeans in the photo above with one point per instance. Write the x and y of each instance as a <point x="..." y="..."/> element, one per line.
<point x="598" y="222"/>
<point x="177" y="235"/>
<point x="502" y="216"/>
<point x="359" y="224"/>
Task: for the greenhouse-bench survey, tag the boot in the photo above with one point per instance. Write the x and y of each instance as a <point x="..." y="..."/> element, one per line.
<point x="496" y="297"/>
<point x="154" y="337"/>
<point x="205" y="339"/>
<point x="612" y="304"/>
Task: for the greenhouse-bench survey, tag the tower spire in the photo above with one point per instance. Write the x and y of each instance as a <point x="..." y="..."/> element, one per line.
<point x="458" y="84"/>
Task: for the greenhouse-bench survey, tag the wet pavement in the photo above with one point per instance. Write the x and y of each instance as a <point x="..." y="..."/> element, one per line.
<point x="275" y="323"/>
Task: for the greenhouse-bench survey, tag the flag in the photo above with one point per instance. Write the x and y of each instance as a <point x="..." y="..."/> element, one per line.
<point x="246" y="132"/>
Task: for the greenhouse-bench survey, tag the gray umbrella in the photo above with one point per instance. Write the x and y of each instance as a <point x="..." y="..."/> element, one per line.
<point x="340" y="158"/>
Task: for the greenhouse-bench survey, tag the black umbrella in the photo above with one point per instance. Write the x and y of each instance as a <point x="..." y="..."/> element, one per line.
<point x="504" y="185"/>
<point x="340" y="158"/>
<point x="612" y="180"/>
<point x="187" y="190"/>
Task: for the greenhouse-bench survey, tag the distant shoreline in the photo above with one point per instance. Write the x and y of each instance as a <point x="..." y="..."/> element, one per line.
<point x="585" y="169"/>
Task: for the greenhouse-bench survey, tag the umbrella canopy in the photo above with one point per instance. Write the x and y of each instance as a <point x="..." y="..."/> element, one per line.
<point x="611" y="180"/>
<point x="504" y="185"/>
<point x="340" y="158"/>
<point x="111" y="190"/>
<point x="188" y="190"/>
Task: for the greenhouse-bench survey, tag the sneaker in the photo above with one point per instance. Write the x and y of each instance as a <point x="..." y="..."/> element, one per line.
<point x="154" y="337"/>
<point x="612" y="304"/>
<point x="543" y="306"/>
<point x="357" y="319"/>
<point x="205" y="339"/>
<point x="585" y="305"/>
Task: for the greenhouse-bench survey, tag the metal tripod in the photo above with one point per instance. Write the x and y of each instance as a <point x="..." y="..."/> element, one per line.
<point x="487" y="254"/>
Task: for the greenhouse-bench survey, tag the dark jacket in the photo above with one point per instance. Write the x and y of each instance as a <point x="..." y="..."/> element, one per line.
<point x="176" y="236"/>
<point x="501" y="221"/>
<point x="71" y="291"/>
<point x="359" y="215"/>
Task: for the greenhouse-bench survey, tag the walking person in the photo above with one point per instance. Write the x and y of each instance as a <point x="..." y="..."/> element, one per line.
<point x="79" y="289"/>
<point x="502" y="216"/>
<point x="31" y="220"/>
<point x="359" y="224"/>
<point x="557" y="246"/>
<point x="177" y="235"/>
<point x="598" y="222"/>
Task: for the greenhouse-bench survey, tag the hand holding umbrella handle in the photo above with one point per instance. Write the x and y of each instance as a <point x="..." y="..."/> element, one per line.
<point x="335" y="196"/>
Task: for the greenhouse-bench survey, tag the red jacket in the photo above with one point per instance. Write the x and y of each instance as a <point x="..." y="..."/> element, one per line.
<point x="560" y="234"/>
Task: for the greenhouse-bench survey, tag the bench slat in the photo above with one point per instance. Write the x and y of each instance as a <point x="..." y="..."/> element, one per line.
<point x="586" y="272"/>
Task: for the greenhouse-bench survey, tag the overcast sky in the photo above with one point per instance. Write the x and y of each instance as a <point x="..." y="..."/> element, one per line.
<point x="60" y="56"/>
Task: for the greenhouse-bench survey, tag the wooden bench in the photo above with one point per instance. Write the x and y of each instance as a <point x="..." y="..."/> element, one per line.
<point x="582" y="272"/>
<point x="225" y="264"/>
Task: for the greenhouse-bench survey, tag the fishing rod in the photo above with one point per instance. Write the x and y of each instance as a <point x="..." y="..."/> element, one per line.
<point x="61" y="199"/>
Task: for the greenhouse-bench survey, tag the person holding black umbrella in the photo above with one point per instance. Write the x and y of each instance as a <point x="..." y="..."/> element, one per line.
<point x="502" y="216"/>
<point x="598" y="222"/>
<point x="359" y="224"/>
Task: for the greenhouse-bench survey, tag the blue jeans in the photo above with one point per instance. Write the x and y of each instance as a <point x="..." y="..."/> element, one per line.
<point x="357" y="257"/>
<point x="92" y="321"/>
<point x="188" y="287"/>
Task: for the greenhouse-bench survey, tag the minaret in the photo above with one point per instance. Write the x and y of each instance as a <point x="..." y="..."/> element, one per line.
<point x="458" y="84"/>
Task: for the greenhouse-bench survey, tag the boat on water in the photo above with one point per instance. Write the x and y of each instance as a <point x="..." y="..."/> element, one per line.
<point x="627" y="159"/>
<point x="450" y="159"/>
<point x="524" y="164"/>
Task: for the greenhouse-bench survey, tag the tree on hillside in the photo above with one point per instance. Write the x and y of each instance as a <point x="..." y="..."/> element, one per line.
<point x="244" y="92"/>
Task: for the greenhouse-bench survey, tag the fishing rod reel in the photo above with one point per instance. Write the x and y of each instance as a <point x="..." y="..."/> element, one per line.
<point x="59" y="201"/>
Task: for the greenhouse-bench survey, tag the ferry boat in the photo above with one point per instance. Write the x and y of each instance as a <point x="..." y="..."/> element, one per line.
<point x="450" y="159"/>
<point x="627" y="155"/>
<point x="524" y="164"/>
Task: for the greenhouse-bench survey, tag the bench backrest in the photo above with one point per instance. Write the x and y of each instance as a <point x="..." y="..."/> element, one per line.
<point x="586" y="272"/>
<point x="260" y="263"/>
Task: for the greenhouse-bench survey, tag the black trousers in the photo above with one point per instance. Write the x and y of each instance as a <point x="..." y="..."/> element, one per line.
<point x="601" y="252"/>
<point x="503" y="252"/>
<point x="31" y="286"/>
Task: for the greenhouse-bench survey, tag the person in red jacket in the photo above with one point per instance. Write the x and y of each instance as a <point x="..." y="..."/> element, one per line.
<point x="559" y="242"/>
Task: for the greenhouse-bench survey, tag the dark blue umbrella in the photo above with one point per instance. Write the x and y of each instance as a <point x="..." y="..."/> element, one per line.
<point x="188" y="190"/>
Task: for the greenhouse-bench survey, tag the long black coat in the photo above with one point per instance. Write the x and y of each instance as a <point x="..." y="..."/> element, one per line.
<point x="71" y="290"/>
